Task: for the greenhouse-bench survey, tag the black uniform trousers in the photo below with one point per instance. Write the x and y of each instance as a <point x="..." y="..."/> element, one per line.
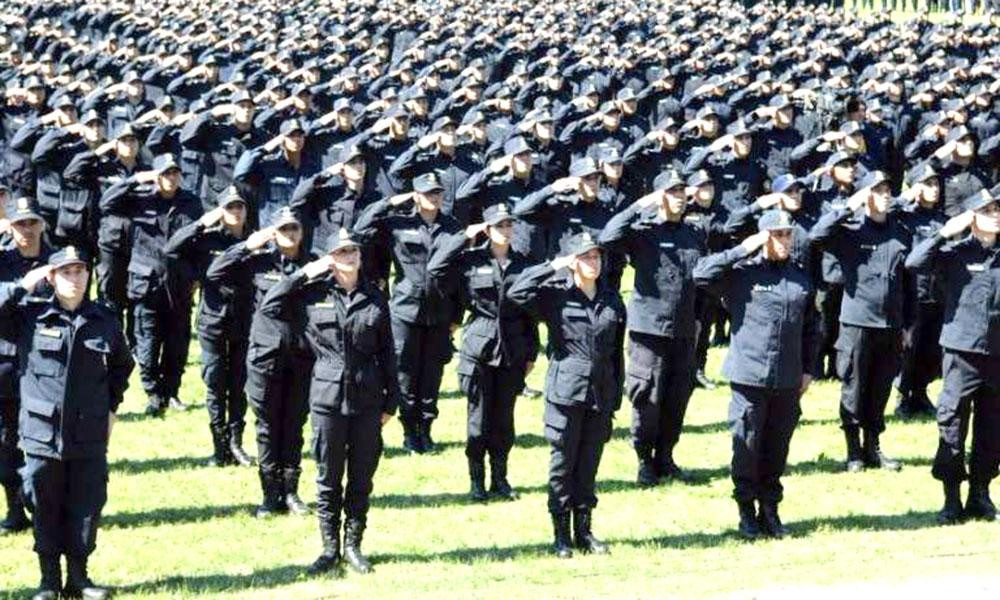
<point x="162" y="335"/>
<point x="577" y="435"/>
<point x="708" y="312"/>
<point x="761" y="421"/>
<point x="971" y="391"/>
<point x="922" y="357"/>
<point x="280" y="401"/>
<point x="11" y="457"/>
<point x="491" y="392"/>
<point x="828" y="299"/>
<point x="65" y="498"/>
<point x="867" y="362"/>
<point x="223" y="369"/>
<point x="422" y="351"/>
<point x="353" y="442"/>
<point x="658" y="383"/>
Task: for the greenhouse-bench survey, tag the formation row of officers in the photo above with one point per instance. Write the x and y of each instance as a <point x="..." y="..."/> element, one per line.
<point x="332" y="194"/>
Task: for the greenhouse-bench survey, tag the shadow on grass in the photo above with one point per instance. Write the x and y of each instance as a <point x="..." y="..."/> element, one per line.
<point x="206" y="584"/>
<point x="174" y="515"/>
<point x="146" y="465"/>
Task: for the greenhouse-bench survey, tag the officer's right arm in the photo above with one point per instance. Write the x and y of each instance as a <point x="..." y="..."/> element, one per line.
<point x="826" y="231"/>
<point x="81" y="170"/>
<point x="197" y="131"/>
<point x="27" y="136"/>
<point x="442" y="263"/>
<point x="925" y="256"/>
<point x="530" y="290"/>
<point x="275" y="302"/>
<point x="372" y="219"/>
<point x="533" y="207"/>
<point x="116" y="200"/>
<point x="712" y="271"/>
<point x="616" y="233"/>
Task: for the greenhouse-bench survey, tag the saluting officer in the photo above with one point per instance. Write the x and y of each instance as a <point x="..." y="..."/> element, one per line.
<point x="74" y="369"/>
<point x="586" y="324"/>
<point x="354" y="389"/>
<point x="278" y="357"/>
<point x="970" y="269"/>
<point x="499" y="343"/>
<point x="770" y="363"/>
<point x="663" y="250"/>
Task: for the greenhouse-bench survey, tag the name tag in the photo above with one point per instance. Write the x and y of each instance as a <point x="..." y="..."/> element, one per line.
<point x="868" y="246"/>
<point x="978" y="268"/>
<point x="485" y="270"/>
<point x="324" y="305"/>
<point x="272" y="277"/>
<point x="409" y="232"/>
<point x="762" y="288"/>
<point x="666" y="244"/>
<point x="50" y="332"/>
<point x="215" y="252"/>
<point x="573" y="304"/>
<point x="575" y="220"/>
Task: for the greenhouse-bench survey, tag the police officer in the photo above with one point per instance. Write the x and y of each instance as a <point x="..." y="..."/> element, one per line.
<point x="421" y="313"/>
<point x="969" y="268"/>
<point x="354" y="389"/>
<point x="74" y="367"/>
<point x="870" y="250"/>
<point x="278" y="359"/>
<point x="28" y="251"/>
<point x="770" y="363"/>
<point x="499" y="341"/>
<point x="223" y="320"/>
<point x="156" y="207"/>
<point x="663" y="250"/>
<point x="586" y="324"/>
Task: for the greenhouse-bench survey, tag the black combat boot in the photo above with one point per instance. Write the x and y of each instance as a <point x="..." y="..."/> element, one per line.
<point x="499" y="486"/>
<point x="292" y="501"/>
<point x="220" y="449"/>
<point x="329" y="560"/>
<point x="701" y="380"/>
<point x="272" y="489"/>
<point x="354" y="530"/>
<point x="951" y="512"/>
<point x="78" y="584"/>
<point x="16" y="521"/>
<point x="426" y="442"/>
<point x="51" y="583"/>
<point x="236" y="447"/>
<point x="647" y="475"/>
<point x="563" y="544"/>
<point x="175" y="404"/>
<point x="770" y="522"/>
<point x="873" y="456"/>
<point x="749" y="529"/>
<point x="156" y="406"/>
<point x="979" y="505"/>
<point x="855" y="458"/>
<point x="583" y="536"/>
<point x="477" y="480"/>
<point x="411" y="437"/>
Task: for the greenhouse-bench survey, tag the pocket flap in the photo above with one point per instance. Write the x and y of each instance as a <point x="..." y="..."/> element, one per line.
<point x="97" y="345"/>
<point x="39" y="407"/>
<point x="325" y="372"/>
<point x="44" y="341"/>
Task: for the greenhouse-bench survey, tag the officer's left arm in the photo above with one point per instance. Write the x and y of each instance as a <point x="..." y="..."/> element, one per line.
<point x="120" y="365"/>
<point x="387" y="362"/>
<point x="811" y="339"/>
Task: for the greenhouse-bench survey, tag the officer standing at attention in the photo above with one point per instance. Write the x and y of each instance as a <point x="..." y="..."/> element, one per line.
<point x="278" y="360"/>
<point x="27" y="252"/>
<point x="421" y="313"/>
<point x="223" y="321"/>
<point x="74" y="370"/>
<point x="354" y="389"/>
<point x="970" y="268"/>
<point x="770" y="363"/>
<point x="156" y="207"/>
<point x="871" y="250"/>
<point x="586" y="324"/>
<point x="499" y="344"/>
<point x="663" y="250"/>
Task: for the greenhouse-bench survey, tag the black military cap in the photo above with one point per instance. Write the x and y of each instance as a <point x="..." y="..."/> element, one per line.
<point x="839" y="157"/>
<point x="497" y="213"/>
<point x="339" y="240"/>
<point x="665" y="123"/>
<point x="70" y="255"/>
<point x="609" y="107"/>
<point x="699" y="178"/>
<point x="952" y="104"/>
<point x="706" y="111"/>
<point x="516" y="145"/>
<point x="872" y="179"/>
<point x="426" y="183"/>
<point x="164" y="163"/>
<point x="583" y="167"/>
<point x="738" y="128"/>
<point x="284" y="216"/>
<point x="64" y="101"/>
<point x="780" y="101"/>
<point x="397" y="111"/>
<point x="775" y="219"/>
<point x="539" y="115"/>
<point x="240" y="96"/>
<point x="841" y="72"/>
<point x="474" y="117"/>
<point x="442" y="123"/>
<point x="920" y="173"/>
<point x="349" y="152"/>
<point x="783" y="183"/>
<point x="959" y="133"/>
<point x="668" y="180"/>
<point x="132" y="77"/>
<point x="626" y="94"/>
<point x="581" y="243"/>
<point x="290" y="126"/>
<point x="607" y="154"/>
<point x="978" y="201"/>
<point x="21" y="209"/>
<point x="33" y="82"/>
<point x="301" y="89"/>
<point x="165" y="102"/>
<point x="231" y="195"/>
<point x="342" y="104"/>
<point x="123" y="130"/>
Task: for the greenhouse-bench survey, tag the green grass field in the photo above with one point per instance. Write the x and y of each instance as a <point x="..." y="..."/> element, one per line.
<point x="176" y="528"/>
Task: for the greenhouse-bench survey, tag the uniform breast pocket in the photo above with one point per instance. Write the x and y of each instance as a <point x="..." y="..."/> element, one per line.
<point x="575" y="322"/>
<point x="280" y="189"/>
<point x="38" y="420"/>
<point x="412" y="250"/>
<point x="366" y="333"/>
<point x="324" y="392"/>
<point x="97" y="351"/>
<point x="46" y="358"/>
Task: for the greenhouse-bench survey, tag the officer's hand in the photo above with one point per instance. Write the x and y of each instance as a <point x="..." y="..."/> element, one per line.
<point x="334" y="170"/>
<point x="497" y="165"/>
<point x="858" y="200"/>
<point x="650" y="199"/>
<point x="4" y="225"/>
<point x="428" y="140"/>
<point x="562" y="262"/>
<point x="400" y="199"/>
<point x="223" y="110"/>
<point x="770" y="200"/>
<point x="111" y="423"/>
<point x="806" y="380"/>
<point x="259" y="239"/>
<point x="182" y="118"/>
<point x="33" y="277"/>
<point x="957" y="224"/>
<point x="319" y="266"/>
<point x="945" y="150"/>
<point x="274" y="142"/>
<point x="211" y="217"/>
<point x="105" y="148"/>
<point x="833" y="136"/>
<point x="386" y="417"/>
<point x="755" y="241"/>
<point x="721" y="143"/>
<point x="145" y="176"/>
<point x="472" y="231"/>
<point x="382" y="125"/>
<point x="565" y="184"/>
